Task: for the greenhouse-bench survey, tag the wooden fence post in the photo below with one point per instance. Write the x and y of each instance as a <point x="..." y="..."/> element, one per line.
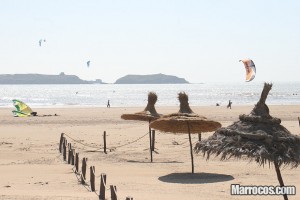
<point x="77" y="163"/>
<point x="65" y="149"/>
<point x="153" y="140"/>
<point x="199" y="137"/>
<point x="113" y="192"/>
<point x="82" y="180"/>
<point x="61" y="142"/>
<point x="102" y="186"/>
<point x="104" y="141"/>
<point x="69" y="153"/>
<point x="92" y="178"/>
<point x="83" y="168"/>
<point x="73" y="157"/>
<point x="129" y="198"/>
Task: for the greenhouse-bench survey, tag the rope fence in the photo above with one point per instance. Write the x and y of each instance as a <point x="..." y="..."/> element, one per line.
<point x="71" y="157"/>
<point x="152" y="143"/>
<point x="67" y="151"/>
<point x="104" y="138"/>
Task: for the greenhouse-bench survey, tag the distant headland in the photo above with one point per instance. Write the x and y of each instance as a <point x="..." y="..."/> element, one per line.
<point x="150" y="79"/>
<point x="62" y="78"/>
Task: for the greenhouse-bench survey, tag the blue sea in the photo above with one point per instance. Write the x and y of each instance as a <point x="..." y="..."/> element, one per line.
<point x="132" y="95"/>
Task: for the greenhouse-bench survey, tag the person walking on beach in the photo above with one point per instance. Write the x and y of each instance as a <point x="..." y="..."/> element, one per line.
<point x="229" y="104"/>
<point x="108" y="104"/>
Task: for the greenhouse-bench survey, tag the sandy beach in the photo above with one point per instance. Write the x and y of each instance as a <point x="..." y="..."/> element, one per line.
<point x="31" y="166"/>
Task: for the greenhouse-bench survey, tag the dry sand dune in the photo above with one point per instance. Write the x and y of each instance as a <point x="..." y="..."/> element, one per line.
<point x="32" y="168"/>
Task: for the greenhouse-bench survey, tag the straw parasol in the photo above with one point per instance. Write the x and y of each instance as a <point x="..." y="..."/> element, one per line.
<point x="259" y="136"/>
<point x="185" y="121"/>
<point x="148" y="114"/>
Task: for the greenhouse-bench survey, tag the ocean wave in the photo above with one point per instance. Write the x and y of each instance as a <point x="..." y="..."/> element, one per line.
<point x="136" y="95"/>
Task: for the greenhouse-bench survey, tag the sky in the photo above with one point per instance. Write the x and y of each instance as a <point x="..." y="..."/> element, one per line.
<point x="201" y="41"/>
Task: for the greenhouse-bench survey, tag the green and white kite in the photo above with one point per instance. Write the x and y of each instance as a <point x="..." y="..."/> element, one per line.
<point x="22" y="110"/>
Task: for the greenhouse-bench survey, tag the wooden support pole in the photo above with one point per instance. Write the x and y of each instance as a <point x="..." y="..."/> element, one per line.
<point x="77" y="163"/>
<point x="61" y="142"/>
<point x="92" y="178"/>
<point x="299" y="121"/>
<point x="199" y="137"/>
<point x="150" y="142"/>
<point x="153" y="140"/>
<point x="279" y="177"/>
<point x="191" y="147"/>
<point x="129" y="198"/>
<point x="65" y="149"/>
<point x="102" y="187"/>
<point x="191" y="151"/>
<point x="104" y="141"/>
<point x="113" y="192"/>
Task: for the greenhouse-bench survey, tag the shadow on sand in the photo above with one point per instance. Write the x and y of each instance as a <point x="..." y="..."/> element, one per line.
<point x="134" y="161"/>
<point x="93" y="151"/>
<point x="197" y="178"/>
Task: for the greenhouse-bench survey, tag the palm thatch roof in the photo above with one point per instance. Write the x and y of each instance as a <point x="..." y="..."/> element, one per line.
<point x="148" y="114"/>
<point x="185" y="120"/>
<point x="181" y="124"/>
<point x="258" y="136"/>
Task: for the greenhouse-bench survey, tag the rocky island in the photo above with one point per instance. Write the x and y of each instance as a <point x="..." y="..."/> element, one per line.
<point x="151" y="79"/>
<point x="62" y="78"/>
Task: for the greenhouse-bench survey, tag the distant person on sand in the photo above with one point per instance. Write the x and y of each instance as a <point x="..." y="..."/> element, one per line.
<point x="108" y="104"/>
<point x="229" y="104"/>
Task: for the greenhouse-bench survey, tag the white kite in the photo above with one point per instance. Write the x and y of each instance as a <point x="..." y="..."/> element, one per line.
<point x="250" y="69"/>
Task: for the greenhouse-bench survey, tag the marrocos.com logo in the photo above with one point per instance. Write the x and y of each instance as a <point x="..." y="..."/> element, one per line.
<point x="237" y="189"/>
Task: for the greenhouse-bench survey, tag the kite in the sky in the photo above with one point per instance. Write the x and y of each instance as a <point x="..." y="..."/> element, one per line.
<point x="88" y="63"/>
<point x="40" y="41"/>
<point x="250" y="69"/>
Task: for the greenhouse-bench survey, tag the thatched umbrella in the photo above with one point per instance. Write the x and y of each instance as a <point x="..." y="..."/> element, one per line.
<point x="259" y="136"/>
<point x="185" y="121"/>
<point x="148" y="114"/>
